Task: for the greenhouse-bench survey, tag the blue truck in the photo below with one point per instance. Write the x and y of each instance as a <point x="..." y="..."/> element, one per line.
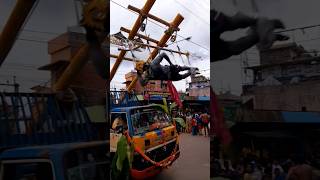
<point x="43" y="138"/>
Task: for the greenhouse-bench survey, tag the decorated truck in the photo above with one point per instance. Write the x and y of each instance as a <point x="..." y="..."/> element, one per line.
<point x="152" y="134"/>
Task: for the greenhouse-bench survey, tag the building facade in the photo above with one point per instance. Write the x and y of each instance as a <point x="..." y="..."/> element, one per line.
<point x="88" y="85"/>
<point x="288" y="79"/>
<point x="199" y="86"/>
<point x="153" y="90"/>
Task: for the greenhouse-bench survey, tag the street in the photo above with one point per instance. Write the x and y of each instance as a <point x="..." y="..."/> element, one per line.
<point x="194" y="160"/>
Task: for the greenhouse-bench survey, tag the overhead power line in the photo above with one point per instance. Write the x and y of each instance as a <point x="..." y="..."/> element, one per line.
<point x="195" y="15"/>
<point x="299" y="28"/>
<point x="153" y="22"/>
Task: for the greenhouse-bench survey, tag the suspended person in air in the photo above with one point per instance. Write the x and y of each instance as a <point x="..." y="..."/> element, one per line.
<point x="156" y="71"/>
<point x="261" y="33"/>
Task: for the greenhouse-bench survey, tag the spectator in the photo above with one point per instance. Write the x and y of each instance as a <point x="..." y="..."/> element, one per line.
<point x="278" y="175"/>
<point x="194" y="126"/>
<point x="205" y="121"/>
<point x="188" y="123"/>
<point x="301" y="171"/>
<point x="199" y="124"/>
<point x="249" y="173"/>
<point x="274" y="166"/>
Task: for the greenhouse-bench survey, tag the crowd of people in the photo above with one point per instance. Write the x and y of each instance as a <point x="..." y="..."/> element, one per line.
<point x="197" y="123"/>
<point x="253" y="168"/>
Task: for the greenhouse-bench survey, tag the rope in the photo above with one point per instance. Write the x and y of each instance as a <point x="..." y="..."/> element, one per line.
<point x="145" y="31"/>
<point x="182" y="57"/>
<point x="145" y="157"/>
<point x="174" y="59"/>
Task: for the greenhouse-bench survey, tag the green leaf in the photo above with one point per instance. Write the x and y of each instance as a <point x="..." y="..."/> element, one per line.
<point x="121" y="152"/>
<point x="130" y="154"/>
<point x="172" y="106"/>
<point x="122" y="161"/>
<point x="162" y="107"/>
<point x="180" y="121"/>
<point x="165" y="104"/>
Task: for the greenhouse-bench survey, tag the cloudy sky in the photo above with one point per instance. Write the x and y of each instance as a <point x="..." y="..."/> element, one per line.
<point x="48" y="20"/>
<point x="195" y="24"/>
<point x="228" y="74"/>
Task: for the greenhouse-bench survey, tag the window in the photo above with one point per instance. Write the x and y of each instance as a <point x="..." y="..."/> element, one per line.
<point x="27" y="171"/>
<point x="118" y="122"/>
<point x="145" y="120"/>
<point x="90" y="163"/>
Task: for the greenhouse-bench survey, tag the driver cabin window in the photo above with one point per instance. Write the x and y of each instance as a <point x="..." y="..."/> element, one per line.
<point x="27" y="171"/>
<point x="119" y="122"/>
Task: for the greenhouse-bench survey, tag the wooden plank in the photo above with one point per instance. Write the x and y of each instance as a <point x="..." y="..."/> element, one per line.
<point x="140" y="35"/>
<point x="125" y="58"/>
<point x="137" y="10"/>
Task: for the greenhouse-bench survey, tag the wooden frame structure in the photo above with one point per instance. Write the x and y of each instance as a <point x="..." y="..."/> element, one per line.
<point x="160" y="44"/>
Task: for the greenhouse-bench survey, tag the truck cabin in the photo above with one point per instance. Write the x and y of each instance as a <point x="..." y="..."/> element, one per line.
<point x="69" y="161"/>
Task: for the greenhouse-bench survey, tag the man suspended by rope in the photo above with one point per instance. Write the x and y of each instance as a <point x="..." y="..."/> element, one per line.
<point x="261" y="33"/>
<point x="155" y="71"/>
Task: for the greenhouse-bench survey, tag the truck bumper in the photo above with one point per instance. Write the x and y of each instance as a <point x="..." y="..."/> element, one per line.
<point x="151" y="171"/>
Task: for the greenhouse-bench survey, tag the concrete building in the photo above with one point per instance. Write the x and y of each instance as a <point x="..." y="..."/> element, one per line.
<point x="288" y="79"/>
<point x="199" y="86"/>
<point x="88" y="86"/>
<point x="153" y="90"/>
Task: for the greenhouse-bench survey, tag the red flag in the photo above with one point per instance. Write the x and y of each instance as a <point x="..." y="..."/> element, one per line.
<point x="174" y="94"/>
<point x="219" y="128"/>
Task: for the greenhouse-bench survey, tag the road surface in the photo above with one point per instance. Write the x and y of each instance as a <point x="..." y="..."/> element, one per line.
<point x="194" y="160"/>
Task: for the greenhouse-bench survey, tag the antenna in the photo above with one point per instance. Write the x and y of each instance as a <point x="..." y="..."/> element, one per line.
<point x="75" y="3"/>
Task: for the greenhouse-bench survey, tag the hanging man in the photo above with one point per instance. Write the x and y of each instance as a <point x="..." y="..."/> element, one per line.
<point x="261" y="34"/>
<point x="155" y="71"/>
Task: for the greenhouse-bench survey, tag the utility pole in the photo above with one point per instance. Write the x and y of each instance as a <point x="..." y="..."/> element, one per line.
<point x="14" y="84"/>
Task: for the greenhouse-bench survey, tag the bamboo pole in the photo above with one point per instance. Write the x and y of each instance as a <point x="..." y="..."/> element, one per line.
<point x="76" y="63"/>
<point x="137" y="10"/>
<point x="145" y="10"/>
<point x="125" y="58"/>
<point x="173" y="26"/>
<point x="11" y="29"/>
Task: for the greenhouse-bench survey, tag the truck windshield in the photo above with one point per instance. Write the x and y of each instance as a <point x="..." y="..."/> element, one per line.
<point x="147" y="119"/>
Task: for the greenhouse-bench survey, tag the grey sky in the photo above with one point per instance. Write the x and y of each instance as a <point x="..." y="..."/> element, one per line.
<point x="167" y="10"/>
<point x="294" y="13"/>
<point x="26" y="56"/>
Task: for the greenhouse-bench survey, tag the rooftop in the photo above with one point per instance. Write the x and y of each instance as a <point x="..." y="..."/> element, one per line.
<point x="304" y="60"/>
<point x="46" y="150"/>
